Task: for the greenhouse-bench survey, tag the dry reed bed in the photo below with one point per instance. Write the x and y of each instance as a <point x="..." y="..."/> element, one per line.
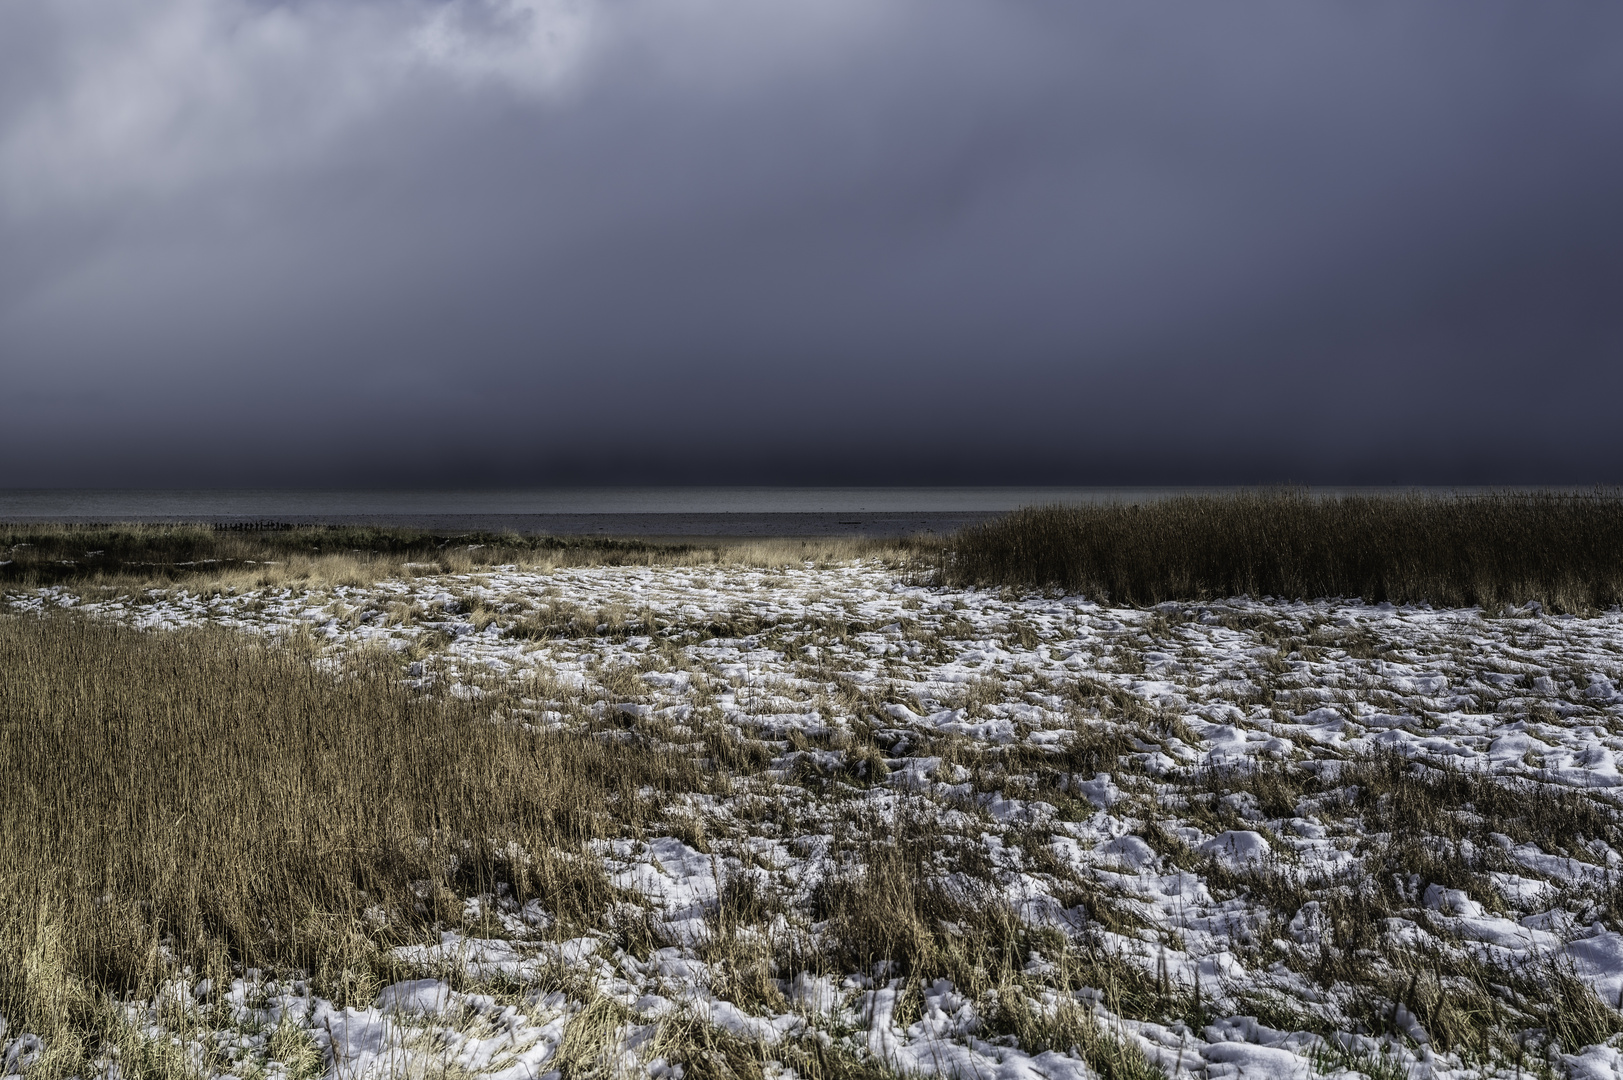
<point x="133" y="557"/>
<point x="1565" y="551"/>
<point x="185" y="807"/>
<point x="203" y="800"/>
<point x="741" y="785"/>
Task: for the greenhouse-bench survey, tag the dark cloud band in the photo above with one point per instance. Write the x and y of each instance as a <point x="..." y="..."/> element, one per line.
<point x="1041" y="242"/>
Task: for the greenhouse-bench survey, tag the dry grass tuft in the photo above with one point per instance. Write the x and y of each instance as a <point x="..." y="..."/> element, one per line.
<point x="200" y="798"/>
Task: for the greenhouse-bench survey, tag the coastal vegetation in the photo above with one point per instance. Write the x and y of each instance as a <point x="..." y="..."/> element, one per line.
<point x="356" y="803"/>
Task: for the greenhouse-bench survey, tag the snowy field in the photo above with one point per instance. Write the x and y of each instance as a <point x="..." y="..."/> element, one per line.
<point x="1241" y="838"/>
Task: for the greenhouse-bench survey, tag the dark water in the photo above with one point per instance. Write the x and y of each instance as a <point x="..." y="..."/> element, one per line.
<point x="662" y="511"/>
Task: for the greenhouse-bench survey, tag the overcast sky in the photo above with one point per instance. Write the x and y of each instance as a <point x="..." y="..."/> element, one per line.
<point x="851" y="241"/>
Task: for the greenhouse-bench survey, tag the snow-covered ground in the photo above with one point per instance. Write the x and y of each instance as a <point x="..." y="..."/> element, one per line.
<point x="1251" y="740"/>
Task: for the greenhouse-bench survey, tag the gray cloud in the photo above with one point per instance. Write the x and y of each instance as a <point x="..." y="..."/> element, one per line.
<point x="489" y="242"/>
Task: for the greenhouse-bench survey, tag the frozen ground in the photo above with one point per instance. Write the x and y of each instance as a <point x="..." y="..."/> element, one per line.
<point x="1244" y="838"/>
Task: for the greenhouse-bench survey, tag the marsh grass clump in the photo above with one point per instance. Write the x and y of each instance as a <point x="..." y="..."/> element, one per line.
<point x="155" y="555"/>
<point x="203" y="799"/>
<point x="131" y="556"/>
<point x="1069" y="1026"/>
<point x="920" y="907"/>
<point x="1564" y="551"/>
<point x="590" y="1047"/>
<point x="894" y="902"/>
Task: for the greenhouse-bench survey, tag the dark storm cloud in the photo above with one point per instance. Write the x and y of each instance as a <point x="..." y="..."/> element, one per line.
<point x="832" y="241"/>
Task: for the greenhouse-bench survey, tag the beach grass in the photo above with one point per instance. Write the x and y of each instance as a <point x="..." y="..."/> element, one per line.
<point x="126" y="556"/>
<point x="199" y="804"/>
<point x="206" y="800"/>
<point x="1564" y="551"/>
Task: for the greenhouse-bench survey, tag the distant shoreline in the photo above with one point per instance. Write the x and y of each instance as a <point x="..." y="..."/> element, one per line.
<point x="654" y="526"/>
<point x="677" y="513"/>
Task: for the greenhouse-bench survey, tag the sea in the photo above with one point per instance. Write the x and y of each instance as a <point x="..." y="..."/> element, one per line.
<point x="673" y="512"/>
